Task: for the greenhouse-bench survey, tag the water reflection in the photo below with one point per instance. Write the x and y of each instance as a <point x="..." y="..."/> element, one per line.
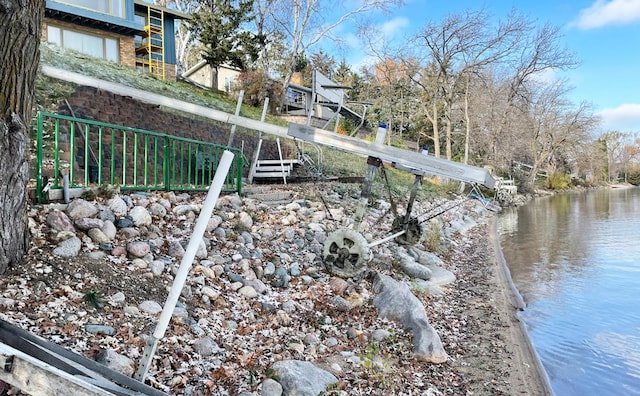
<point x="575" y="259"/>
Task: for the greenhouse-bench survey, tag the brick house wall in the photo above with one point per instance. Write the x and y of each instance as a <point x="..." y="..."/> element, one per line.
<point x="127" y="46"/>
<point x="127" y="51"/>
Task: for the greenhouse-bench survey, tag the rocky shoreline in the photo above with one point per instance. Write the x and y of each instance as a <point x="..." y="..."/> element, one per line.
<point x="260" y="315"/>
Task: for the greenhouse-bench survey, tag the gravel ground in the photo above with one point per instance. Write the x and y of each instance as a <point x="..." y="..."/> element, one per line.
<point x="56" y="297"/>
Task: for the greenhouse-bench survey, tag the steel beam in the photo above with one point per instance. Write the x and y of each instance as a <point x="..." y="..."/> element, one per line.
<point x="416" y="163"/>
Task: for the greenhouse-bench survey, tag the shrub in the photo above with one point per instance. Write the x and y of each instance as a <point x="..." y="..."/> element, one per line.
<point x="257" y="86"/>
<point x="558" y="181"/>
<point x="633" y="175"/>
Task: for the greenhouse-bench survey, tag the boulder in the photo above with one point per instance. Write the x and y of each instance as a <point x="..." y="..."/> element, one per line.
<point x="140" y="216"/>
<point x="87" y="223"/>
<point x="395" y="301"/>
<point x="79" y="208"/>
<point x="138" y="248"/>
<point x="59" y="221"/>
<point x="68" y="248"/>
<point x="115" y="361"/>
<point x="302" y="378"/>
<point x="118" y="206"/>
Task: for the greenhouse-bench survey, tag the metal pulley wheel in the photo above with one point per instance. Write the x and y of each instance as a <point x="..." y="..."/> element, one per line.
<point x="345" y="253"/>
<point x="412" y="229"/>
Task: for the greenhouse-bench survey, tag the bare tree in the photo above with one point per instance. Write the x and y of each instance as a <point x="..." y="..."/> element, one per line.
<point x="456" y="49"/>
<point x="616" y="143"/>
<point x="555" y="126"/>
<point x="304" y="23"/>
<point x="20" y="30"/>
<point x="538" y="53"/>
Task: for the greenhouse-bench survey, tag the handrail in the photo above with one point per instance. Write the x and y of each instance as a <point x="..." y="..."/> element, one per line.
<point x="133" y="158"/>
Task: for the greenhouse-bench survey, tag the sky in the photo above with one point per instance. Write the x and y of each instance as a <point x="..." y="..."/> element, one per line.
<point x="604" y="36"/>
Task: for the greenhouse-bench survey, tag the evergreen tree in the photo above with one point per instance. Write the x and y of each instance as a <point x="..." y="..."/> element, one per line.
<point x="219" y="25"/>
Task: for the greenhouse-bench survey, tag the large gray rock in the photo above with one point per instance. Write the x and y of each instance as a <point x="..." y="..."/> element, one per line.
<point x="109" y="229"/>
<point x="412" y="268"/>
<point x="246" y="220"/>
<point x="87" y="223"/>
<point x="68" y="248"/>
<point x="157" y="209"/>
<point x="206" y="346"/>
<point x="150" y="307"/>
<point x="140" y="216"/>
<point x="138" y="248"/>
<point x="79" y="208"/>
<point x="98" y="236"/>
<point x="175" y="248"/>
<point x="271" y="387"/>
<point x="118" y="206"/>
<point x="214" y="222"/>
<point x="115" y="361"/>
<point x="202" y="250"/>
<point x="59" y="221"/>
<point x="302" y="378"/>
<point x="395" y="301"/>
<point x="183" y="210"/>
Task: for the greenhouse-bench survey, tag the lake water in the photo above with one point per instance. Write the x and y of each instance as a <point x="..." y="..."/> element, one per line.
<point x="575" y="258"/>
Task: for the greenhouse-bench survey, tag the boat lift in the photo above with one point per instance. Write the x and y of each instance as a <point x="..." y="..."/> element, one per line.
<point x="346" y="251"/>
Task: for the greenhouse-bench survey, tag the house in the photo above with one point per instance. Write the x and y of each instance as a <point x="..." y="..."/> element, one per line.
<point x="129" y="32"/>
<point x="203" y="74"/>
<point x="322" y="103"/>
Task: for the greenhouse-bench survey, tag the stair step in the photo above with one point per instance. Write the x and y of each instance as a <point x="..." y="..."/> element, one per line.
<point x="277" y="168"/>
<point x="278" y="162"/>
<point x="272" y="196"/>
<point x="270" y="174"/>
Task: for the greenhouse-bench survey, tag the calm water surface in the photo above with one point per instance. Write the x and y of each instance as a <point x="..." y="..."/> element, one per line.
<point x="576" y="260"/>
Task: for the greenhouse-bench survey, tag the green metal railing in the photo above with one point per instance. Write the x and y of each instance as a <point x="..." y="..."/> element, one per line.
<point x="94" y="153"/>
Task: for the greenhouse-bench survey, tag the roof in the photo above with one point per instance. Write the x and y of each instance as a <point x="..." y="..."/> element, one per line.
<point x="174" y="13"/>
<point x="201" y="64"/>
<point x="79" y="16"/>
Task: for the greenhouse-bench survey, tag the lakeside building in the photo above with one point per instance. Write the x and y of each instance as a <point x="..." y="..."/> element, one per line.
<point x="129" y="32"/>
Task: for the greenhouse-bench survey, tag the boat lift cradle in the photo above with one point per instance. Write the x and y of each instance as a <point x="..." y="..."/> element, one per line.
<point x="40" y="367"/>
<point x="346" y="251"/>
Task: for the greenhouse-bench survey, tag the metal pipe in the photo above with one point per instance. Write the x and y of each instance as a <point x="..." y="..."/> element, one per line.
<point x="185" y="264"/>
<point x="65" y="187"/>
<point x="390" y="237"/>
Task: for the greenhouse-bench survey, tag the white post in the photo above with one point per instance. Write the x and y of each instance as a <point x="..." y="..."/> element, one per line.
<point x="284" y="175"/>
<point x="237" y="113"/>
<point x="185" y="264"/>
<point x="256" y="155"/>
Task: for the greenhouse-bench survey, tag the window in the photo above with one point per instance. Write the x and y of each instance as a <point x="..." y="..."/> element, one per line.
<point x="96" y="46"/>
<point x="111" y="7"/>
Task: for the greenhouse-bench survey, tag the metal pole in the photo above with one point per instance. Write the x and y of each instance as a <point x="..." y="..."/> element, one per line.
<point x="237" y="113"/>
<point x="284" y="175"/>
<point x="374" y="164"/>
<point x="256" y="155"/>
<point x="185" y="265"/>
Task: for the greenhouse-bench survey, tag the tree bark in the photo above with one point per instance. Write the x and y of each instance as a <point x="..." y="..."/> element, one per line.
<point x="20" y="31"/>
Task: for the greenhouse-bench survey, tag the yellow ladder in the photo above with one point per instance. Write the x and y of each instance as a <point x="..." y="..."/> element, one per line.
<point x="152" y="49"/>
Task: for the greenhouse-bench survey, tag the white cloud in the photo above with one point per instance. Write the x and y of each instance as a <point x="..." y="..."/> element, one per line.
<point x="392" y="27"/>
<point x="624" y="118"/>
<point x="603" y="13"/>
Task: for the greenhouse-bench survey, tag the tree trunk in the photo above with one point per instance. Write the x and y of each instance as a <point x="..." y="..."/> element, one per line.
<point x="436" y="132"/>
<point x="20" y="31"/>
<point x="467" y="121"/>
<point x="214" y="79"/>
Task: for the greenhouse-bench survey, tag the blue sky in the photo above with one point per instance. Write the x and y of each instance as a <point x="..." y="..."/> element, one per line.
<point x="603" y="34"/>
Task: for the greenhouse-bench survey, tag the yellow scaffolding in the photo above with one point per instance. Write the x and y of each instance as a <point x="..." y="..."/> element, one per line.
<point x="150" y="54"/>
